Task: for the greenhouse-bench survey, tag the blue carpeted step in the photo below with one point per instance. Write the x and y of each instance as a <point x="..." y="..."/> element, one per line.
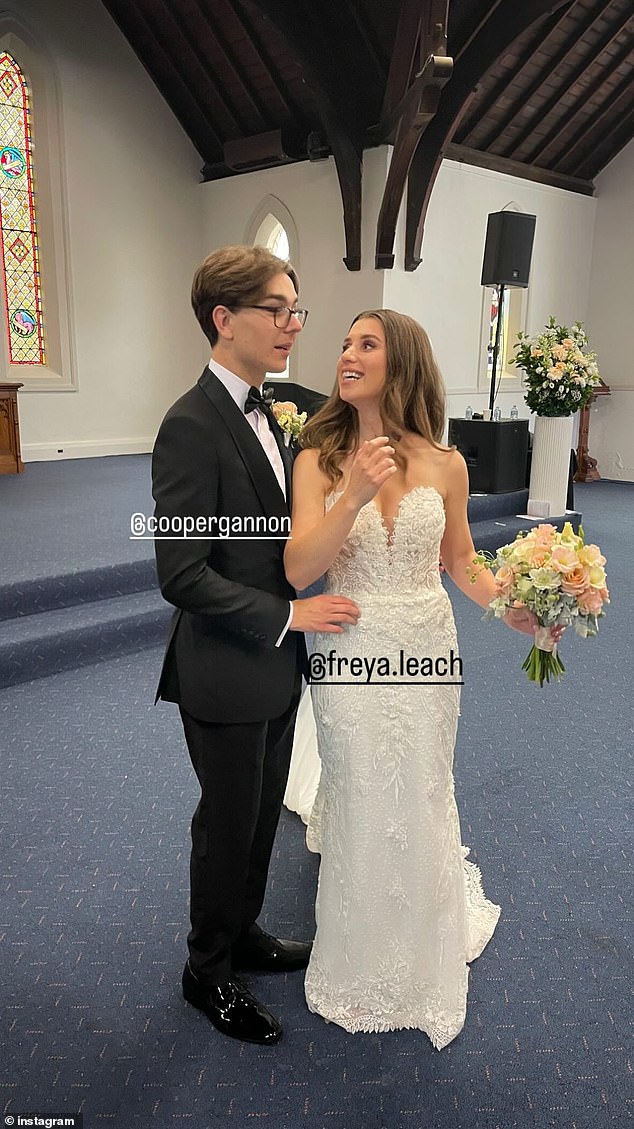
<point x="83" y="586"/>
<point x="487" y="507"/>
<point x="34" y="646"/>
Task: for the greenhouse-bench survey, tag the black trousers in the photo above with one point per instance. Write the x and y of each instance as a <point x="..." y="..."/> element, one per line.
<point x="242" y="771"/>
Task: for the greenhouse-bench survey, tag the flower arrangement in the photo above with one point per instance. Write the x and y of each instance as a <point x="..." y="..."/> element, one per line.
<point x="289" y="419"/>
<point x="560" y="377"/>
<point x="556" y="576"/>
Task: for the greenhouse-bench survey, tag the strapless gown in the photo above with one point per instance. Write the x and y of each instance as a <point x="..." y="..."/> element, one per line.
<point x="400" y="911"/>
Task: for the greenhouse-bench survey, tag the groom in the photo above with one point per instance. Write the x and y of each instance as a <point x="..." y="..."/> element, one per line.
<point x="236" y="651"/>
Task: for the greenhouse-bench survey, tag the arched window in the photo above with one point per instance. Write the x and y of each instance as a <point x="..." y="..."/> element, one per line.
<point x="273" y="235"/>
<point x="36" y="332"/>
<point x="273" y="227"/>
<point x="18" y="224"/>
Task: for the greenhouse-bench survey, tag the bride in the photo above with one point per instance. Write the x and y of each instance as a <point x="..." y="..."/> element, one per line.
<point x="400" y="912"/>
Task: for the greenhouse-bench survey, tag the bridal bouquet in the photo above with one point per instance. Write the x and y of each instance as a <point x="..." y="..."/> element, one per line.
<point x="289" y="419"/>
<point x="556" y="576"/>
<point x="560" y="377"/>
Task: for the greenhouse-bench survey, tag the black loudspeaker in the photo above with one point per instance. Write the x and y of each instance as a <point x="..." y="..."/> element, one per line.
<point x="508" y="249"/>
<point x="495" y="453"/>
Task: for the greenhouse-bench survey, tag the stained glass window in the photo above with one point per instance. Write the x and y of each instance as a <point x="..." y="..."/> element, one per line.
<point x="20" y="261"/>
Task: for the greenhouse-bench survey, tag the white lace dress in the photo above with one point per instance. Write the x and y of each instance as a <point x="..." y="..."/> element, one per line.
<point x="400" y="911"/>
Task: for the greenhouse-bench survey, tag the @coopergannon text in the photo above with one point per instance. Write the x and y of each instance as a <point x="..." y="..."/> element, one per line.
<point x="214" y="527"/>
<point x="401" y="668"/>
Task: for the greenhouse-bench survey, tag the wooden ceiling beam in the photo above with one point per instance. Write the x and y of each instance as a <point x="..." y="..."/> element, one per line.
<point x="214" y="30"/>
<point x="522" y="101"/>
<point x="159" y="64"/>
<point x="411" y="117"/>
<point x="495" y="93"/>
<point x="538" y="151"/>
<point x="623" y="93"/>
<point x="511" y="21"/>
<point x="300" y="25"/>
<point x="364" y="32"/>
<point x="402" y="61"/>
<point x="518" y="168"/>
<point x="576" y="75"/>
<point x="612" y="141"/>
<point x="252" y="34"/>
<point x="429" y="84"/>
<point x="483" y="15"/>
<point x="324" y="58"/>
<point x="175" y="34"/>
<point x="431" y="44"/>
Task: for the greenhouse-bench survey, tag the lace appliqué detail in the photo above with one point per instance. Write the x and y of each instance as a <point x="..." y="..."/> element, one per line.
<point x="400" y="910"/>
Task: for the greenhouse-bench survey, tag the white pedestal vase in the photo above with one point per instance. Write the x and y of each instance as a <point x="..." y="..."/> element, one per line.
<point x="550" y="464"/>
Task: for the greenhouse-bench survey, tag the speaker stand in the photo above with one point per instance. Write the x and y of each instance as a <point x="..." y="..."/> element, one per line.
<point x="496" y="347"/>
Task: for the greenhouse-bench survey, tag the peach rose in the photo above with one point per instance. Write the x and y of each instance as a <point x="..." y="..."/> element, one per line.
<point x="531" y="551"/>
<point x="544" y="534"/>
<point x="504" y="579"/>
<point x="537" y="556"/>
<point x="590" y="601"/>
<point x="576" y="581"/>
<point x="281" y="406"/>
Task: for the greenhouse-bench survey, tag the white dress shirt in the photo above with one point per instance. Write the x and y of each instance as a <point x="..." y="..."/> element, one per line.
<point x="238" y="389"/>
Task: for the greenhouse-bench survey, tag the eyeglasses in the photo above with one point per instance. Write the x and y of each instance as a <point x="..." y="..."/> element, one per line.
<point x="281" y="314"/>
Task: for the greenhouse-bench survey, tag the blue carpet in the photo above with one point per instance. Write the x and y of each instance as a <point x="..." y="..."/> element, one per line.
<point x="94" y="832"/>
<point x="63" y="517"/>
<point x="74" y="588"/>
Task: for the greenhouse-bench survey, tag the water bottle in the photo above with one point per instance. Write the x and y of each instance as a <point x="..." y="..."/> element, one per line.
<point x="497" y="415"/>
<point x="514" y="412"/>
<point x="469" y="412"/>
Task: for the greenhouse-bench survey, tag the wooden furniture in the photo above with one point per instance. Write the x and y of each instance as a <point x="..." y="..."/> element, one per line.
<point x="10" y="457"/>
<point x="587" y="470"/>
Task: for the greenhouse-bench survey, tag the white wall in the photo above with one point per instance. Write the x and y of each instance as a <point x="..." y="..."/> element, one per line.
<point x="444" y="294"/>
<point x="610" y="313"/>
<point x="134" y="238"/>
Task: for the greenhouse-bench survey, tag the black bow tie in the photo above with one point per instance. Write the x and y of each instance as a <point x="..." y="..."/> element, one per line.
<point x="262" y="400"/>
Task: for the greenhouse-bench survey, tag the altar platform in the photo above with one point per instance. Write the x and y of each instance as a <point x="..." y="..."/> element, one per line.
<point x="75" y="589"/>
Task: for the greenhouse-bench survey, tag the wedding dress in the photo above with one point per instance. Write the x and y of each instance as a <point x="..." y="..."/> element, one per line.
<point x="305" y="769"/>
<point x="400" y="912"/>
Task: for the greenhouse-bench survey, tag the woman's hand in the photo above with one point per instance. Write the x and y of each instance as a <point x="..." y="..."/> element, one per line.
<point x="521" y="619"/>
<point x="373" y="464"/>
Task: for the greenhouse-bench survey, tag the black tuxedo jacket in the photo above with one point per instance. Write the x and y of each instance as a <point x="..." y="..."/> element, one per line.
<point x="231" y="596"/>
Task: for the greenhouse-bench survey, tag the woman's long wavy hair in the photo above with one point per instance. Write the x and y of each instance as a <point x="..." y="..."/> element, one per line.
<point x="413" y="398"/>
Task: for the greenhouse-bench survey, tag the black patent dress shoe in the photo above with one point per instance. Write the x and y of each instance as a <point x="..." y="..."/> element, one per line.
<point x="263" y="953"/>
<point x="232" y="1009"/>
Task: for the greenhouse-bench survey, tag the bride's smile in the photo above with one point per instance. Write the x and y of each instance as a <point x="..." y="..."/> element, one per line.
<point x="361" y="368"/>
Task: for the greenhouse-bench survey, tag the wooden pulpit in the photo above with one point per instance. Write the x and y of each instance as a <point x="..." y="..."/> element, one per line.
<point x="10" y="456"/>
<point x="587" y="470"/>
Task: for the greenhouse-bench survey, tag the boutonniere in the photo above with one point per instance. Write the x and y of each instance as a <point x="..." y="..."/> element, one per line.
<point x="289" y="419"/>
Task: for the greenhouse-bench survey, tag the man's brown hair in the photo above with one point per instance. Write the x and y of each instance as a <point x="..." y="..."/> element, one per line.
<point x="234" y="276"/>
